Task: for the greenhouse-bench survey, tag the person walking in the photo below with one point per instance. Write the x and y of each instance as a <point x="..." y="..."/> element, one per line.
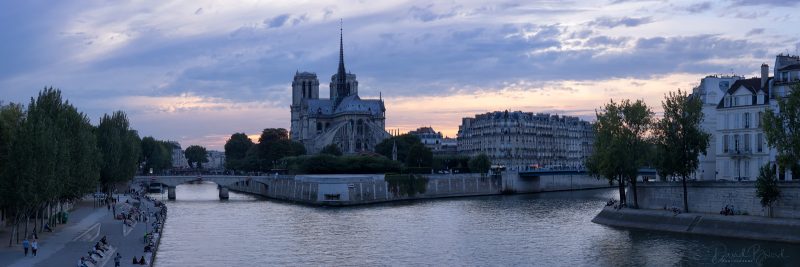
<point x="25" y="245"/>
<point x="117" y="259"/>
<point x="34" y="247"/>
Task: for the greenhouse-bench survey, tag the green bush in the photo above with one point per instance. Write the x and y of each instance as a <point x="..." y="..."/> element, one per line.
<point x="329" y="164"/>
<point x="406" y="184"/>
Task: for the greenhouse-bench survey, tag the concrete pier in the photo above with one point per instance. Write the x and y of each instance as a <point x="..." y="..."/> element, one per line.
<point x="223" y="193"/>
<point x="171" y="193"/>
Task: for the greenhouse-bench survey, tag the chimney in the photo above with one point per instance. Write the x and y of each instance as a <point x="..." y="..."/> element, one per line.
<point x="764" y="75"/>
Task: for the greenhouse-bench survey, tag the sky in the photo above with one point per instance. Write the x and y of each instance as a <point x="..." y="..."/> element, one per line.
<point x="197" y="71"/>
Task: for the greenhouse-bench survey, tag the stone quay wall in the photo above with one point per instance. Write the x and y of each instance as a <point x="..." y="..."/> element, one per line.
<point x="342" y="190"/>
<point x="712" y="196"/>
<point x="355" y="189"/>
<point x="547" y="183"/>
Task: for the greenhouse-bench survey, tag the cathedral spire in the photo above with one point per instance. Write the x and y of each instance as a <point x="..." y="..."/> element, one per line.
<point x="341" y="72"/>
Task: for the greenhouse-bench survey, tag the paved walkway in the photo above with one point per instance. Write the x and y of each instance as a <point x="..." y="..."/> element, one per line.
<point x="86" y="226"/>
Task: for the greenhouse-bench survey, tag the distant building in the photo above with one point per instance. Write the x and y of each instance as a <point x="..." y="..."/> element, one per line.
<point x="522" y="140"/>
<point x="216" y="160"/>
<point x="178" y="157"/>
<point x="435" y="141"/>
<point x="351" y="123"/>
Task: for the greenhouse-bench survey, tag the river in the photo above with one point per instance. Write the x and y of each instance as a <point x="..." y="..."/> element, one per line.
<point x="547" y="229"/>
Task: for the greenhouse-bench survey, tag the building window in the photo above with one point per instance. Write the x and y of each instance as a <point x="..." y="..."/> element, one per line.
<point x="747" y="120"/>
<point x="746" y="168"/>
<point x="760" y="142"/>
<point x="758" y="120"/>
<point x="736" y="142"/>
<point x="747" y="142"/>
<point x="725" y="144"/>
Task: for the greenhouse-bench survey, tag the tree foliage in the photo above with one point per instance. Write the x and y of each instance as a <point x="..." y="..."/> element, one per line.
<point x="782" y="130"/>
<point x="767" y="186"/>
<point x="451" y="162"/>
<point x="273" y="145"/>
<point x="156" y="154"/>
<point x="196" y="156"/>
<point x="679" y="137"/>
<point x="404" y="143"/>
<point x="120" y="148"/>
<point x="332" y="150"/>
<point x="329" y="164"/>
<point x="620" y="144"/>
<point x="419" y="156"/>
<point x="235" y="151"/>
<point x="480" y="163"/>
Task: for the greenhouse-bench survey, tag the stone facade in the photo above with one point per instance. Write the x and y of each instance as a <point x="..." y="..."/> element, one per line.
<point x="711" y="197"/>
<point x="522" y="140"/>
<point x="353" y="124"/>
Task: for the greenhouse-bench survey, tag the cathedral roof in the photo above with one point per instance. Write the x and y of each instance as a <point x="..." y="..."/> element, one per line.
<point x="350" y="103"/>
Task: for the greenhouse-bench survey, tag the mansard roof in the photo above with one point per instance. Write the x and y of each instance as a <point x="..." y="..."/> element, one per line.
<point x="790" y="67"/>
<point x="752" y="84"/>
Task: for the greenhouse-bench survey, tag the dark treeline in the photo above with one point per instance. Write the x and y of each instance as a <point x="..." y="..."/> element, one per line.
<point x="50" y="154"/>
<point x="276" y="152"/>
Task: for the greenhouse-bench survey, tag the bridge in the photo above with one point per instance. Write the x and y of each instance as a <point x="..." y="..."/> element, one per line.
<point x="549" y="172"/>
<point x="222" y="181"/>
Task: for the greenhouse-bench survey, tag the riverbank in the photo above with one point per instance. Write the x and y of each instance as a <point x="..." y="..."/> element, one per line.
<point x="738" y="226"/>
<point x="88" y="224"/>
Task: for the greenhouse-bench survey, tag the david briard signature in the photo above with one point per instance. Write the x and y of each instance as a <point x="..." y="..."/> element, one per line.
<point x="754" y="254"/>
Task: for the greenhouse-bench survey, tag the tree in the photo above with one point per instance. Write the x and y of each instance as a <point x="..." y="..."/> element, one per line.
<point x="782" y="130"/>
<point x="332" y="150"/>
<point x="480" y="164"/>
<point x="55" y="158"/>
<point x="419" y="156"/>
<point x="235" y="151"/>
<point x="679" y="138"/>
<point x="196" y="156"/>
<point x="403" y="142"/>
<point x="156" y="154"/>
<point x="767" y="187"/>
<point x="273" y="145"/>
<point x="620" y="146"/>
<point x="120" y="149"/>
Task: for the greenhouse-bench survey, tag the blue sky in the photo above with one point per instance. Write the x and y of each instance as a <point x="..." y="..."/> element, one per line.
<point x="197" y="71"/>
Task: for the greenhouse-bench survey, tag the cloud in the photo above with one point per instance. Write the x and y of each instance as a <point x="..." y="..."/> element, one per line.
<point x="764" y="2"/>
<point x="755" y="31"/>
<point x="278" y="21"/>
<point x="426" y="14"/>
<point x="610" y="22"/>
<point x="698" y="7"/>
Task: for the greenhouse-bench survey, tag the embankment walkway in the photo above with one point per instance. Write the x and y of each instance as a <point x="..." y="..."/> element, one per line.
<point x="86" y="226"/>
<point x="737" y="226"/>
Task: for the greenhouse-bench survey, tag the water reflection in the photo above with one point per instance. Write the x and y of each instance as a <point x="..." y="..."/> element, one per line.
<point x="552" y="229"/>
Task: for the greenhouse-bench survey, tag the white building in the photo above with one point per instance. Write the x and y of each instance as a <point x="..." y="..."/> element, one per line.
<point x="216" y="160"/>
<point x="738" y="146"/>
<point x="710" y="91"/>
<point x="521" y="140"/>
<point x="435" y="141"/>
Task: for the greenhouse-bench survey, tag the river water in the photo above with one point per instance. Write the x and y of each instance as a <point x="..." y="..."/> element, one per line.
<point x="548" y="229"/>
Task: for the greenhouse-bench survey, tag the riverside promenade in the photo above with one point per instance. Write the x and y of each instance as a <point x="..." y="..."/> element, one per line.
<point x="736" y="226"/>
<point x="86" y="226"/>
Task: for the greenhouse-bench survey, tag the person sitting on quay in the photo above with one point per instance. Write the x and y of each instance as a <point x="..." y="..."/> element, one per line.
<point x="104" y="241"/>
<point x="94" y="251"/>
<point x="47" y="227"/>
<point x="91" y="259"/>
<point x="135" y="260"/>
<point x="142" y="262"/>
<point x="82" y="263"/>
<point x="99" y="247"/>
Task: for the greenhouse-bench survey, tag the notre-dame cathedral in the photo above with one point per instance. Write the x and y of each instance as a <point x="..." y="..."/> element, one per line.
<point x="355" y="125"/>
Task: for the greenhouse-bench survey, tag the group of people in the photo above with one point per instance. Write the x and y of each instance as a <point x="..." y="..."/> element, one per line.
<point x="99" y="249"/>
<point x="727" y="211"/>
<point x="32" y="245"/>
